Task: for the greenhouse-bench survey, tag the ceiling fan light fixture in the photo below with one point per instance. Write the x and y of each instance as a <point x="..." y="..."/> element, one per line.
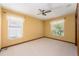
<point x="44" y="12"/>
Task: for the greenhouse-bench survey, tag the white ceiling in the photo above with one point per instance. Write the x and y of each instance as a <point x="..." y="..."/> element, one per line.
<point x="58" y="9"/>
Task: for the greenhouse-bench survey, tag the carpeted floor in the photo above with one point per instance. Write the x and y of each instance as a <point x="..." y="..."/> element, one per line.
<point x="41" y="47"/>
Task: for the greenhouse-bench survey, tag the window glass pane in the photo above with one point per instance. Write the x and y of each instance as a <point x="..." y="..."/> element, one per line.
<point x="57" y="27"/>
<point x="15" y="26"/>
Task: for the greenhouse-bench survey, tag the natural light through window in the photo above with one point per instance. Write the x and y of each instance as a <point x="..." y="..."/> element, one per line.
<point x="57" y="27"/>
<point x="15" y="26"/>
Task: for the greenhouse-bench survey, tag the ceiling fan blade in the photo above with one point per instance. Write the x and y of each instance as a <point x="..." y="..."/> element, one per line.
<point x="48" y="11"/>
<point x="40" y="10"/>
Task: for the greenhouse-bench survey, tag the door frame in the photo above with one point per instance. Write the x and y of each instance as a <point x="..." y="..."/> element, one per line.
<point x="77" y="27"/>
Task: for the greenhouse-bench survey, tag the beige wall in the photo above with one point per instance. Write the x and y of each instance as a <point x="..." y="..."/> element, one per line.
<point x="0" y="27"/>
<point x="69" y="28"/>
<point x="33" y="28"/>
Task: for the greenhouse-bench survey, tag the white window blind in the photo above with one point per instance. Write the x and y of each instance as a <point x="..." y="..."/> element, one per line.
<point x="15" y="26"/>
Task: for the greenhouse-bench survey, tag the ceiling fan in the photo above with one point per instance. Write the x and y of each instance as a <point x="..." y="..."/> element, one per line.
<point x="44" y="12"/>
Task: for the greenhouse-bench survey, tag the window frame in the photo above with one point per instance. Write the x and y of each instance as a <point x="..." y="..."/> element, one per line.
<point x="53" y="23"/>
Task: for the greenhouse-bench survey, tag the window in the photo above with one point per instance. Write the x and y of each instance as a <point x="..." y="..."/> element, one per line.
<point x="57" y="27"/>
<point x="15" y="26"/>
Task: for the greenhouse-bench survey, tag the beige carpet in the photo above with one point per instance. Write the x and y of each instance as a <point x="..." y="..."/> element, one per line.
<point x="41" y="47"/>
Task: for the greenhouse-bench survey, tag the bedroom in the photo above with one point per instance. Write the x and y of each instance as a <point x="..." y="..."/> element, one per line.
<point x="39" y="29"/>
